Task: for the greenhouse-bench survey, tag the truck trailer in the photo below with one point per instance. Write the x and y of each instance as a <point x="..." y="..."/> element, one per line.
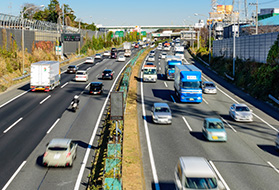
<point x="45" y="75"/>
<point x="127" y="49"/>
<point x="187" y="83"/>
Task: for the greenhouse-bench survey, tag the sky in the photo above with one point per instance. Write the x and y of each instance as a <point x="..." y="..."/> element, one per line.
<point x="135" y="12"/>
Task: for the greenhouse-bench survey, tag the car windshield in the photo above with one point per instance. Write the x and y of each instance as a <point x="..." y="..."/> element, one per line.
<point x="241" y="108"/>
<point x="80" y="73"/>
<point x="191" y="85"/>
<point x="95" y="87"/>
<point x="149" y="71"/>
<point x="200" y="183"/>
<point x="162" y="109"/>
<point x="209" y="85"/>
<point x="57" y="148"/>
<point x="89" y="58"/>
<point x="98" y="54"/>
<point x="215" y="125"/>
<point x="151" y="57"/>
<point x="171" y="66"/>
<point x="71" y="66"/>
<point x="105" y="72"/>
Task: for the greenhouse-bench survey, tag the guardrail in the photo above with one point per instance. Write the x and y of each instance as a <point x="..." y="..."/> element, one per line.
<point x="274" y="99"/>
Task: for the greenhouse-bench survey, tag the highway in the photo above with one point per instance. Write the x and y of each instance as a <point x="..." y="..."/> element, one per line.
<point x="30" y="121"/>
<point x="248" y="160"/>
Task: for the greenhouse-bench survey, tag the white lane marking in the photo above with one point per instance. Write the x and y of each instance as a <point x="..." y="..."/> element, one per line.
<point x="273" y="167"/>
<point x="53" y="125"/>
<point x="187" y="124"/>
<point x="227" y="95"/>
<point x="252" y="113"/>
<point x="90" y="144"/>
<point x="166" y="84"/>
<point x="228" y="124"/>
<point x="266" y="122"/>
<point x="219" y="175"/>
<point x="152" y="162"/>
<point x="45" y="99"/>
<point x="14" y="175"/>
<point x="159" y="68"/>
<point x="172" y="98"/>
<point x="87" y="86"/>
<point x="205" y="100"/>
<point x="12" y="125"/>
<point x="159" y="63"/>
<point x="14" y="98"/>
<point x="97" y="76"/>
<point x="64" y="85"/>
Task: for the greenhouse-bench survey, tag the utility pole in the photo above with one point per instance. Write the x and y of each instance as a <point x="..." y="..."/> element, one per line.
<point x="257" y="17"/>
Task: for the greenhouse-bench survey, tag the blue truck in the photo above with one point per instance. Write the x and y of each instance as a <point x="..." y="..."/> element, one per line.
<point x="187" y="83"/>
<point x="170" y="66"/>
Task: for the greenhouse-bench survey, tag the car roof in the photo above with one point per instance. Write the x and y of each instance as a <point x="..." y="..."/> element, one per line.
<point x="213" y="120"/>
<point x="196" y="167"/>
<point x="240" y="105"/>
<point x="161" y="105"/>
<point x="208" y="82"/>
<point x="96" y="83"/>
<point x="59" y="142"/>
<point x="72" y="66"/>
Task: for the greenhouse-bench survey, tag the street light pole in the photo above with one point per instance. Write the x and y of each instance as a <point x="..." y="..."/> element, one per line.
<point x="22" y="33"/>
<point x="209" y="49"/>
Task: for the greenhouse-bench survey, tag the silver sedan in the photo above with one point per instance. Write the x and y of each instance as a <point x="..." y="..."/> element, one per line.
<point x="161" y="113"/>
<point x="241" y="112"/>
<point x="209" y="87"/>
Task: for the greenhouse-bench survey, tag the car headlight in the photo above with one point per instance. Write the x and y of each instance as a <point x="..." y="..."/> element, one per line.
<point x="199" y="98"/>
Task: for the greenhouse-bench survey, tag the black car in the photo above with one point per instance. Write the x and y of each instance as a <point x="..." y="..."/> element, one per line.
<point x="107" y="74"/>
<point x="113" y="55"/>
<point x="96" y="88"/>
<point x="72" y="69"/>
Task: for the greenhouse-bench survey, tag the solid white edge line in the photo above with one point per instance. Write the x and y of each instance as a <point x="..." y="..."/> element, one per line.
<point x="152" y="162"/>
<point x="64" y="85"/>
<point x="228" y="124"/>
<point x="12" y="125"/>
<point x="266" y="123"/>
<point x="205" y="100"/>
<point x="165" y="84"/>
<point x="84" y="162"/>
<point x="187" y="124"/>
<point x="172" y="98"/>
<point x="219" y="175"/>
<point x="53" y="125"/>
<point x="227" y="95"/>
<point x="14" y="175"/>
<point x="273" y="167"/>
<point x="45" y="99"/>
<point x="14" y="98"/>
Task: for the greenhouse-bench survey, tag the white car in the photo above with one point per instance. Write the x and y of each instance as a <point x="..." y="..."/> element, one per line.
<point x="163" y="55"/>
<point x="98" y="56"/>
<point x="209" y="87"/>
<point x="89" y="60"/>
<point x="151" y="58"/>
<point x="167" y="48"/>
<point x="107" y="53"/>
<point x="121" y="58"/>
<point x="159" y="47"/>
<point x="152" y="53"/>
<point x="81" y="75"/>
<point x="241" y="112"/>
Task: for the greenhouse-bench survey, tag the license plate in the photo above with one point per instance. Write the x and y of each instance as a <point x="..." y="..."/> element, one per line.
<point x="215" y="137"/>
<point x="191" y="99"/>
<point x="57" y="156"/>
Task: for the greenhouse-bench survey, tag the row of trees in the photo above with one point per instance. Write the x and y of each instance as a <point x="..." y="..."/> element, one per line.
<point x="54" y="13"/>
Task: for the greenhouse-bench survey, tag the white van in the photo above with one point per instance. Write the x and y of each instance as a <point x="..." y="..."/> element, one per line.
<point x="196" y="173"/>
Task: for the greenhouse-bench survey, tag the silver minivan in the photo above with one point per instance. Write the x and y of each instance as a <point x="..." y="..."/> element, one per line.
<point x="196" y="173"/>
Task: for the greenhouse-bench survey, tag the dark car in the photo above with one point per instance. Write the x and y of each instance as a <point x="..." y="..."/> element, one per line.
<point x="72" y="69"/>
<point x="113" y="50"/>
<point x="113" y="55"/>
<point x="96" y="88"/>
<point x="107" y="74"/>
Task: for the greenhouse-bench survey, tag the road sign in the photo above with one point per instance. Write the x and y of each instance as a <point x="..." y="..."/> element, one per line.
<point x="116" y="106"/>
<point x="143" y="33"/>
<point x="71" y="37"/>
<point x="119" y="33"/>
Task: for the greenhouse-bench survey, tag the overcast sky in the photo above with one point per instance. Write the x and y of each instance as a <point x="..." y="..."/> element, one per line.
<point x="135" y="12"/>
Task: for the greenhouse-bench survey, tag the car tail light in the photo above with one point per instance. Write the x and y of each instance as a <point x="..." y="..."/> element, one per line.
<point x="69" y="154"/>
<point x="102" y="73"/>
<point x="45" y="154"/>
<point x="84" y="77"/>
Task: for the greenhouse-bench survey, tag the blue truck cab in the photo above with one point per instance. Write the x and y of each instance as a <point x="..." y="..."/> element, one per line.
<point x="170" y="68"/>
<point x="187" y="83"/>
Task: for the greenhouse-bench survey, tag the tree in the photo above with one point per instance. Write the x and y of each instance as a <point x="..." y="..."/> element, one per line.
<point x="30" y="12"/>
<point x="273" y="54"/>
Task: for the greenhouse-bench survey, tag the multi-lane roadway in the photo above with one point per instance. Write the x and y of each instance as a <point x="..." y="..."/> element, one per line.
<point x="32" y="119"/>
<point x="248" y="160"/>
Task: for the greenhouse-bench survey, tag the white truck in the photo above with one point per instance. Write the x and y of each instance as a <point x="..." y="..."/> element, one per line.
<point x="179" y="51"/>
<point x="45" y="75"/>
<point x="149" y="73"/>
<point x="127" y="49"/>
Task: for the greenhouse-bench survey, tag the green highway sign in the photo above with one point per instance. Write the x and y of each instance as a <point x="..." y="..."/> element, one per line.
<point x="143" y="33"/>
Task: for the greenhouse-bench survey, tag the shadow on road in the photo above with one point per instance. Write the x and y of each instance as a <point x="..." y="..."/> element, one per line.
<point x="269" y="149"/>
<point x="198" y="135"/>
